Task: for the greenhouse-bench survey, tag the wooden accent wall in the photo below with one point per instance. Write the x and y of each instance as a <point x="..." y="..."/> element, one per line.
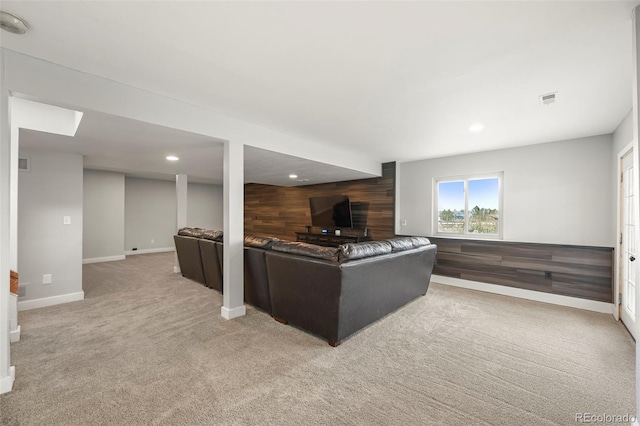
<point x="282" y="211"/>
<point x="578" y="271"/>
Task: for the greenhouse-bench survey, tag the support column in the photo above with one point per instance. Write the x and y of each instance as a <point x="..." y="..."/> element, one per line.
<point x="14" y="328"/>
<point x="7" y="372"/>
<point x="181" y="209"/>
<point x="636" y="157"/>
<point x="233" y="267"/>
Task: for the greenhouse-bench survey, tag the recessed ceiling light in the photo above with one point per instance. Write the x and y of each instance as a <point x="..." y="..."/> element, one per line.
<point x="12" y="23"/>
<point x="476" y="128"/>
<point x="292" y="176"/>
<point x="172" y="158"/>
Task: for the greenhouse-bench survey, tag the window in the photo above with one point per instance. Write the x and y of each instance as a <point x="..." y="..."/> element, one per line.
<point x="469" y="206"/>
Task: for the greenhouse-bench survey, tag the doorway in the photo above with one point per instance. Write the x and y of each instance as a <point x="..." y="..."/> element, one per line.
<point x="627" y="244"/>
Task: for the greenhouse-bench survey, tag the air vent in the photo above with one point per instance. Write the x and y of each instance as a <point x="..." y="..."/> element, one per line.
<point x="548" y="99"/>
<point x="24" y="164"/>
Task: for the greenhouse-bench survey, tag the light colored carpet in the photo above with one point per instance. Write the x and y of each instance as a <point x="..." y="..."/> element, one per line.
<point x="149" y="347"/>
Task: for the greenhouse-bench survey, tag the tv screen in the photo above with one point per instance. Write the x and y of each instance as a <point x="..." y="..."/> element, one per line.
<point x="331" y="212"/>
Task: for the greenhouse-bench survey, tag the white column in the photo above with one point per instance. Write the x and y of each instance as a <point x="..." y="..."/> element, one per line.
<point x="7" y="372"/>
<point x="181" y="209"/>
<point x="636" y="155"/>
<point x="233" y="268"/>
<point x="14" y="328"/>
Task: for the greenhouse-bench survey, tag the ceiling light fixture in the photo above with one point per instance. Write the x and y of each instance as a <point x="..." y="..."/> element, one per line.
<point x="12" y="23"/>
<point x="172" y="158"/>
<point x="476" y="128"/>
<point x="292" y="176"/>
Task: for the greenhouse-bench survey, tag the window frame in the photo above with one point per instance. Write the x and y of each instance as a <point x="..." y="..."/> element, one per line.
<point x="466" y="178"/>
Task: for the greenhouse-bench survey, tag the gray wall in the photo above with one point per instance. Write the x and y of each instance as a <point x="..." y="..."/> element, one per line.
<point x="204" y="206"/>
<point x="50" y="191"/>
<point x="103" y="230"/>
<point x="149" y="213"/>
<point x="555" y="193"/>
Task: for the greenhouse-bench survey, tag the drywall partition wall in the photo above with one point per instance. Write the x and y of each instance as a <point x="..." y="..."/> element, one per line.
<point x="554" y="193"/>
<point x="45" y="80"/>
<point x="204" y="206"/>
<point x="150" y="214"/>
<point x="50" y="228"/>
<point x="623" y="135"/>
<point x="103" y="225"/>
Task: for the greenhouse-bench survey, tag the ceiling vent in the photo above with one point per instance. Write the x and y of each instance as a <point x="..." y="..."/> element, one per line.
<point x="24" y="165"/>
<point x="548" y="99"/>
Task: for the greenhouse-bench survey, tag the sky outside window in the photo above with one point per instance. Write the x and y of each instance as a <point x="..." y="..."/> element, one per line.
<point x="483" y="193"/>
<point x="451" y="195"/>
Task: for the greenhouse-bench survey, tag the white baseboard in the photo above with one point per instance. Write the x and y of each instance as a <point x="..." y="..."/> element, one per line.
<point x="6" y="383"/>
<point x="14" y="335"/>
<point x="555" y="299"/>
<point x="233" y="312"/>
<point x="151" y="250"/>
<point x="177" y="270"/>
<point x="50" y="301"/>
<point x="103" y="259"/>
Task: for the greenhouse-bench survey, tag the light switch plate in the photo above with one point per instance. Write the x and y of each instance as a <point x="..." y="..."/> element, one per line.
<point x="66" y="220"/>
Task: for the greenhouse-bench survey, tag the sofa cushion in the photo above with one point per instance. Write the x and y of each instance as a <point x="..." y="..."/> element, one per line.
<point x="304" y="249"/>
<point x="352" y="251"/>
<point x="401" y="243"/>
<point x="420" y="241"/>
<point x="208" y="234"/>
<point x="259" y="241"/>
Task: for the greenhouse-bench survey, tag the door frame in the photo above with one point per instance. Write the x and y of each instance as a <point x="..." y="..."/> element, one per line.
<point x="617" y="303"/>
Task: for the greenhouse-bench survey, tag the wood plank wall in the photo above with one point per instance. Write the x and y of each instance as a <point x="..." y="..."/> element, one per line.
<point x="282" y="211"/>
<point x="579" y="271"/>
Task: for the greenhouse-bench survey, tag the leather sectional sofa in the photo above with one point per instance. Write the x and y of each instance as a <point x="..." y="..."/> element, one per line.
<point x="331" y="292"/>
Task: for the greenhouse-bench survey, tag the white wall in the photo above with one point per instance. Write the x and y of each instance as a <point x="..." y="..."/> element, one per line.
<point x="204" y="206"/>
<point x="557" y="193"/>
<point x="50" y="191"/>
<point x="623" y="135"/>
<point x="149" y="213"/>
<point x="103" y="227"/>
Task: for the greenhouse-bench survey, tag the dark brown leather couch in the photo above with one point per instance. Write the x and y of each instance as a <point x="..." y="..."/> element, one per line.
<point x="204" y="262"/>
<point x="334" y="292"/>
<point x="188" y="251"/>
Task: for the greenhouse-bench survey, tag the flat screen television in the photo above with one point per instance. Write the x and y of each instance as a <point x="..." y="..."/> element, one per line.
<point x="331" y="212"/>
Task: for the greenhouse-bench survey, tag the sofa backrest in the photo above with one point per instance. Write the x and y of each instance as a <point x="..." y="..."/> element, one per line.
<point x="207" y="234"/>
<point x="304" y="249"/>
<point x="259" y="241"/>
<point x="353" y="251"/>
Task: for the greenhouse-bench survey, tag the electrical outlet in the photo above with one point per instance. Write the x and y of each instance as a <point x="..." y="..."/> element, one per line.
<point x="548" y="275"/>
<point x="66" y="220"/>
<point x="403" y="222"/>
<point x="22" y="290"/>
<point x="47" y="279"/>
<point x="153" y="241"/>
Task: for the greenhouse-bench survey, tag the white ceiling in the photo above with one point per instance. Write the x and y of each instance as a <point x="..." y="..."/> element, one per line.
<point x="140" y="149"/>
<point x="396" y="80"/>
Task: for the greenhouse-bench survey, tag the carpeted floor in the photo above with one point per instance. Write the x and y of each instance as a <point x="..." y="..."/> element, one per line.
<point x="147" y="346"/>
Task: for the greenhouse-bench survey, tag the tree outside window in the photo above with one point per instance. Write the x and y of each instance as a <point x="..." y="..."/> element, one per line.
<point x="469" y="206"/>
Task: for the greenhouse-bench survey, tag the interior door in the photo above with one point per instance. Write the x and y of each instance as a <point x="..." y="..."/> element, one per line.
<point x="627" y="258"/>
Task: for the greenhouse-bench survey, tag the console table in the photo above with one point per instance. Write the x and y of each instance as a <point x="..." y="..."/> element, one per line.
<point x="330" y="240"/>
